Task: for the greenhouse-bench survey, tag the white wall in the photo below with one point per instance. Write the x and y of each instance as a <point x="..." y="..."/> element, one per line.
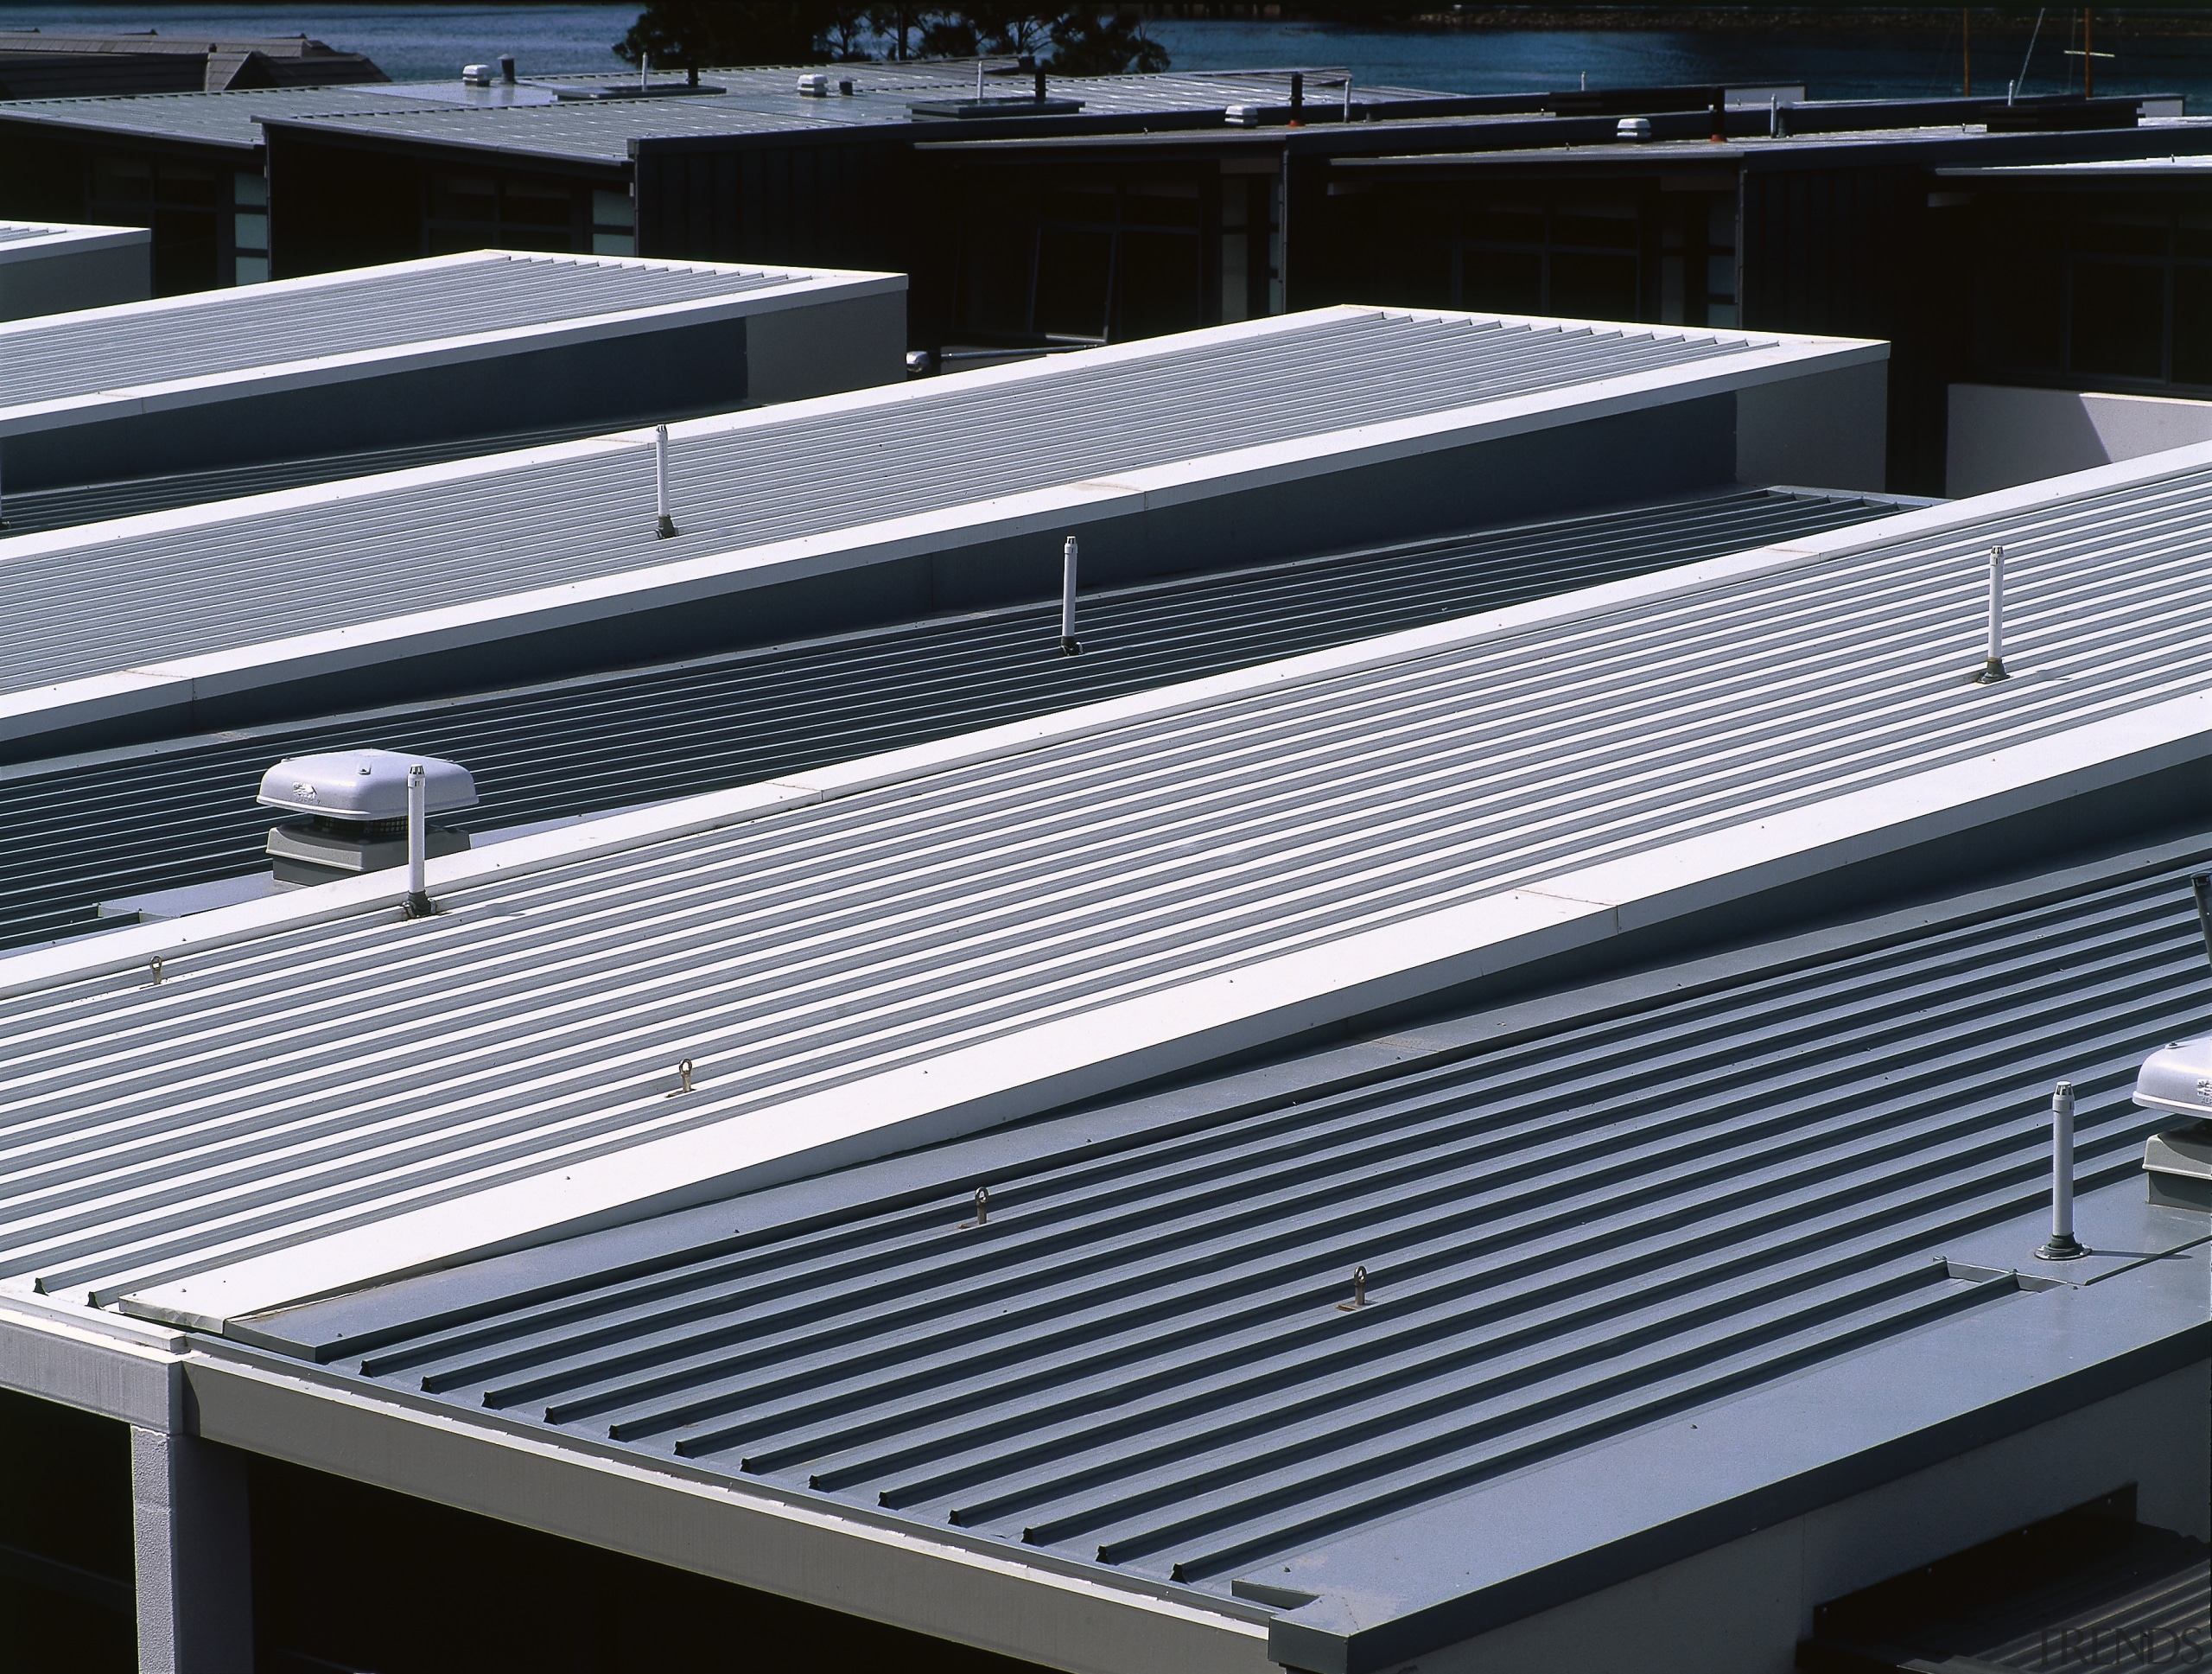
<point x="113" y="265"/>
<point x="2003" y="437"/>
<point x="1828" y="431"/>
<point x="1741" y="1607"/>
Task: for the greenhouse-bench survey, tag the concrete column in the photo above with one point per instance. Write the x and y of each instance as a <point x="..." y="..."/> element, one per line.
<point x="194" y="1555"/>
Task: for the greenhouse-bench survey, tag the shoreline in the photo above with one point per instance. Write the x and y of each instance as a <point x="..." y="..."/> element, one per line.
<point x="2122" y="23"/>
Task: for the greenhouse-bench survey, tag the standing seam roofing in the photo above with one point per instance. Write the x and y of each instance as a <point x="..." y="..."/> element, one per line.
<point x="225" y="332"/>
<point x="266" y="574"/>
<point x="145" y="820"/>
<point x="1139" y="1359"/>
<point x="159" y="1130"/>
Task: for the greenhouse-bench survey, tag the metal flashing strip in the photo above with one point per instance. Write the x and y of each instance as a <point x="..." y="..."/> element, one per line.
<point x="59" y="370"/>
<point x="867" y="957"/>
<point x="549" y="539"/>
<point x="24" y="241"/>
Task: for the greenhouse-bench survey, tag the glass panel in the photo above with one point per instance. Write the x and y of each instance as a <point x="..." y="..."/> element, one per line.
<point x="613" y="244"/>
<point x="464" y="198"/>
<point x="536" y="203"/>
<point x="248" y="189"/>
<point x="1073" y="266"/>
<point x="1507" y="223"/>
<point x="1593" y="286"/>
<point x="2019" y="317"/>
<point x="252" y="270"/>
<point x="1155" y="284"/>
<point x="1720" y="221"/>
<point x="1235" y="276"/>
<point x="1721" y="278"/>
<point x="1503" y="283"/>
<point x="2193" y="236"/>
<point x="1599" y="226"/>
<point x="2122" y="235"/>
<point x="185" y="185"/>
<point x="2193" y="325"/>
<point x="2119" y="319"/>
<point x="1091" y="206"/>
<point x="994" y="261"/>
<point x="250" y="230"/>
<point x="612" y="208"/>
<point x="125" y="179"/>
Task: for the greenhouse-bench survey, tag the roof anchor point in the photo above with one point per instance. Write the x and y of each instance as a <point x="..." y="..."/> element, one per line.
<point x="983" y="1210"/>
<point x="683" y="1079"/>
<point x="1359" y="1292"/>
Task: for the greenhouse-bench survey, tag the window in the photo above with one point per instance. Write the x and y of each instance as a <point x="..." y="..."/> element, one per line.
<point x="470" y="211"/>
<point x="1091" y="261"/>
<point x="248" y="229"/>
<point x="2109" y="289"/>
<point x="1599" y="253"/>
<point x="181" y="201"/>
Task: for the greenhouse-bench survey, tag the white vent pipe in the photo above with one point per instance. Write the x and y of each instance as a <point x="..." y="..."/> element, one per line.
<point x="1069" y="646"/>
<point x="418" y="845"/>
<point x="1992" y="667"/>
<point x="666" y="526"/>
<point x="2062" y="1246"/>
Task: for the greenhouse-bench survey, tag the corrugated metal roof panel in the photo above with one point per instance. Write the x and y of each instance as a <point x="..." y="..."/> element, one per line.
<point x="951" y="936"/>
<point x="97" y="360"/>
<point x="187" y="584"/>
<point x="231" y="119"/>
<point x="1637" y="1208"/>
<point x="150" y="819"/>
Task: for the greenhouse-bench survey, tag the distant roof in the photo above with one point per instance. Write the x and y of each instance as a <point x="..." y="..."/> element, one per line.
<point x="2194" y="168"/>
<point x="22" y="239"/>
<point x="768" y="101"/>
<point x="1581" y="1217"/>
<point x="264" y="585"/>
<point x="315" y="1093"/>
<point x="67" y="369"/>
<point x="756" y="101"/>
<point x="226" y="119"/>
<point x="40" y="63"/>
<point x="182" y="812"/>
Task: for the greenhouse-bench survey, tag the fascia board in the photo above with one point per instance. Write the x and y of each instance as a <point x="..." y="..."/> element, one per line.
<point x="98" y="406"/>
<point x="130" y="949"/>
<point x="1027" y="1604"/>
<point x="95" y="1362"/>
<point x="1117" y="1044"/>
<point x="1434" y="1577"/>
<point x="70" y="238"/>
<point x="1043" y="510"/>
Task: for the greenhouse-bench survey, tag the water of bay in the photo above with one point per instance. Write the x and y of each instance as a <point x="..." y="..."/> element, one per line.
<point x="431" y="41"/>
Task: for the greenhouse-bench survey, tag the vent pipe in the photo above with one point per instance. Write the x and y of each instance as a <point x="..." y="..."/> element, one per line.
<point x="1297" y="99"/>
<point x="1069" y="646"/>
<point x="1992" y="667"/>
<point x="2061" y="1245"/>
<point x="1720" y="115"/>
<point x="1040" y="83"/>
<point x="2201" y="887"/>
<point x="507" y="68"/>
<point x="666" y="526"/>
<point x="418" y="843"/>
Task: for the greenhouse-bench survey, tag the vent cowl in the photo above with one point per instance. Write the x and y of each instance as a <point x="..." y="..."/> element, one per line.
<point x="2178" y="1078"/>
<point x="364" y="785"/>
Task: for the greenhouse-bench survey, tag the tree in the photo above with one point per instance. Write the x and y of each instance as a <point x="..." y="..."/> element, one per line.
<point x="692" y="33"/>
<point x="1088" y="42"/>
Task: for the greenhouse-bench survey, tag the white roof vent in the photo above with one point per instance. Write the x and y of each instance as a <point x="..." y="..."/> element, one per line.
<point x="364" y="785"/>
<point x="2178" y="1078"/>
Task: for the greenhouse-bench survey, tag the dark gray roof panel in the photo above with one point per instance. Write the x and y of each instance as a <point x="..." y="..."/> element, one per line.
<point x="228" y="335"/>
<point x="1634" y="1208"/>
<point x="148" y="819"/>
<point x="230" y="120"/>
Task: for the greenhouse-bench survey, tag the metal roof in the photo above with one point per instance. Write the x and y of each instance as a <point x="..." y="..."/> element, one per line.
<point x="227" y="119"/>
<point x="766" y="101"/>
<point x="254" y="582"/>
<point x="85" y="366"/>
<point x="1578" y="1216"/>
<point x="312" y="1091"/>
<point x="130" y="821"/>
<point x="2060" y="174"/>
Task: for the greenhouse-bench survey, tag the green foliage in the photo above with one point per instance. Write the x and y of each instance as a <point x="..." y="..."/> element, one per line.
<point x="1090" y="39"/>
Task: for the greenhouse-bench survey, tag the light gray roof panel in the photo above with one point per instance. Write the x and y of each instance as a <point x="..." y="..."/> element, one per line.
<point x="1661" y="1193"/>
<point x="167" y="816"/>
<point x="319" y="562"/>
<point x="226" y="333"/>
<point x="853" y="955"/>
<point x="231" y="119"/>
